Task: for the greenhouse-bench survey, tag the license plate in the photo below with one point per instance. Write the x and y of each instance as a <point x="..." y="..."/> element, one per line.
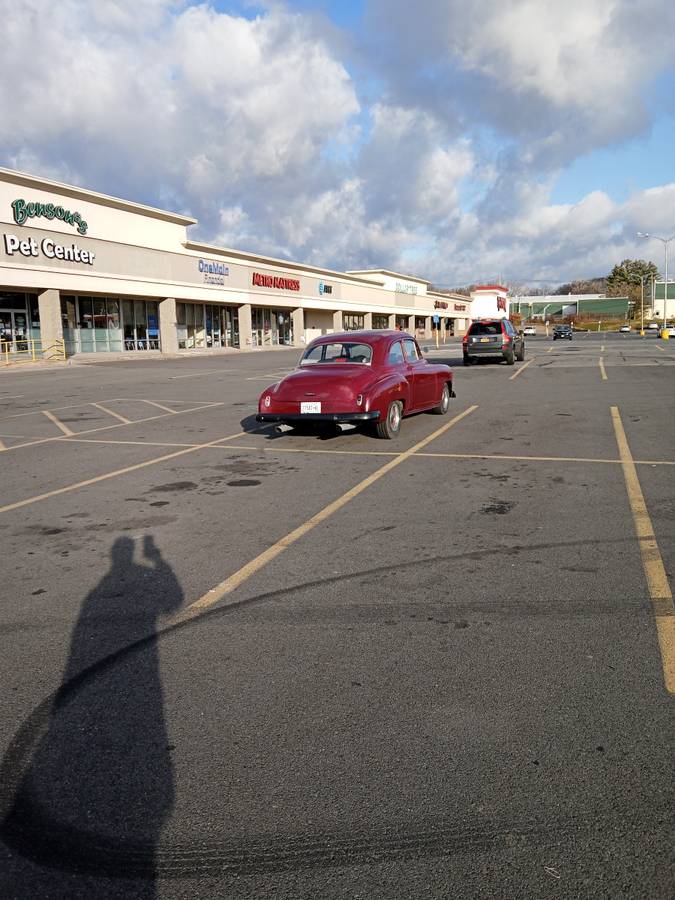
<point x="485" y="340"/>
<point x="313" y="407"/>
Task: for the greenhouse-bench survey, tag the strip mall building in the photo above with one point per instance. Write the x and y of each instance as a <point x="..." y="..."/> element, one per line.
<point x="107" y="275"/>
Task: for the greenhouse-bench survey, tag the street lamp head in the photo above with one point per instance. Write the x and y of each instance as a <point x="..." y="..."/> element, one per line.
<point x="642" y="234"/>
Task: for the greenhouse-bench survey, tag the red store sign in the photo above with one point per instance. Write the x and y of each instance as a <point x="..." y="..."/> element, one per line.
<point x="440" y="304"/>
<point x="460" y="307"/>
<point x="276" y="281"/>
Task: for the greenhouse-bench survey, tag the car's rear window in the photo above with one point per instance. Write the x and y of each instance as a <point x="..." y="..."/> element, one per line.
<point x="338" y="352"/>
<point x="485" y="328"/>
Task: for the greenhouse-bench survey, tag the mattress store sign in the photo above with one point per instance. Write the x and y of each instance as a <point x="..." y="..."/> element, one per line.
<point x="213" y="272"/>
<point x="47" y="247"/>
<point x="279" y="282"/>
<point x="23" y="211"/>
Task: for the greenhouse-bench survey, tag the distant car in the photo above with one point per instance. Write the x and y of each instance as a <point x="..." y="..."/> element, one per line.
<point x="671" y="331"/>
<point x="625" y="328"/>
<point x="562" y="331"/>
<point x="360" y="378"/>
<point x="653" y="326"/>
<point x="529" y="330"/>
<point x="493" y="337"/>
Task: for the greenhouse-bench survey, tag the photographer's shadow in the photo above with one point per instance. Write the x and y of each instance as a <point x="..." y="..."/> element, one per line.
<point x="90" y="771"/>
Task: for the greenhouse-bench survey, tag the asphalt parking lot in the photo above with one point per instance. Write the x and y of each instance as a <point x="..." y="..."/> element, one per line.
<point x="238" y="663"/>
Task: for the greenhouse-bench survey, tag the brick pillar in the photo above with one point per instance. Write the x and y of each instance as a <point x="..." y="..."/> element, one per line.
<point x="337" y="320"/>
<point x="245" y="327"/>
<point x="298" y="317"/>
<point x="168" y="334"/>
<point x="51" y="328"/>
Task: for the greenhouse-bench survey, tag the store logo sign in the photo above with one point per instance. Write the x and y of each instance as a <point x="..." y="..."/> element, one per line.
<point x="501" y="303"/>
<point x="24" y="211"/>
<point x="404" y="287"/>
<point x="460" y="307"/>
<point x="276" y="281"/>
<point x="213" y="272"/>
<point x="325" y="288"/>
<point x="47" y="247"/>
<point x="440" y="304"/>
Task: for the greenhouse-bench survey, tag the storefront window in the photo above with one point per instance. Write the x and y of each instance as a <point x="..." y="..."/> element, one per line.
<point x="380" y="321"/>
<point x="353" y="321"/>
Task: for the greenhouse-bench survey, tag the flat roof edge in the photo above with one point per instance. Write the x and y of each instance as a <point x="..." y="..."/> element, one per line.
<point x="390" y="273"/>
<point x="77" y="193"/>
<point x="274" y="261"/>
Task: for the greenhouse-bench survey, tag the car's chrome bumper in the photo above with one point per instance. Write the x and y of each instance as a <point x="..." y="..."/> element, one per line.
<point x="345" y="417"/>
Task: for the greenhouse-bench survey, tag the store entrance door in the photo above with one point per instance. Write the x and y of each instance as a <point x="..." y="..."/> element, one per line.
<point x="13" y="331"/>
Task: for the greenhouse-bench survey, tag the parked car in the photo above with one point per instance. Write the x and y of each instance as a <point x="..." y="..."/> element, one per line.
<point x="361" y="378"/>
<point x="495" y="338"/>
<point x="671" y="331"/>
<point x="529" y="330"/>
<point x="562" y="331"/>
<point x="625" y="328"/>
<point x="653" y="326"/>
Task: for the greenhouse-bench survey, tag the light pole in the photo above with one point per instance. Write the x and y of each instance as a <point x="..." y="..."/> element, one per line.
<point x="642" y="302"/>
<point x="665" y="242"/>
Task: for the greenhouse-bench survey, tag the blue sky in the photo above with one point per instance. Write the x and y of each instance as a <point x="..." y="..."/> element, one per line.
<point x="462" y="142"/>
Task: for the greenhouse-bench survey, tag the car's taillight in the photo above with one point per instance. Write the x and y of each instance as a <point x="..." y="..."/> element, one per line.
<point x="465" y="339"/>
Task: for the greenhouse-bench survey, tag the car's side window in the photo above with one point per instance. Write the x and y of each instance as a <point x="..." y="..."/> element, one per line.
<point x="395" y="357"/>
<point x="411" y="352"/>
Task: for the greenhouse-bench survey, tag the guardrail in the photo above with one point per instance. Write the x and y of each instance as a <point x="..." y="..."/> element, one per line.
<point x="26" y="350"/>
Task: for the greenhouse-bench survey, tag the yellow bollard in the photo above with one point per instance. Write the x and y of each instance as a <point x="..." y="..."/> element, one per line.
<point x="664" y="334"/>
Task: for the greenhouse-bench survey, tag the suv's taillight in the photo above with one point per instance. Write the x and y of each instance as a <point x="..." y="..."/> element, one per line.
<point x="465" y="339"/>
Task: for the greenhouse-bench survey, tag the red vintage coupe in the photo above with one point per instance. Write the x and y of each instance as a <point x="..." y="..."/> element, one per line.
<point x="360" y="378"/>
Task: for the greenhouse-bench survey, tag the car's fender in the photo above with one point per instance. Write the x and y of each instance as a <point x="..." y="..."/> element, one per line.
<point x="385" y="389"/>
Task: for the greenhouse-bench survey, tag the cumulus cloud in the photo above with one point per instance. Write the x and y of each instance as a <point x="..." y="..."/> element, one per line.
<point x="426" y="142"/>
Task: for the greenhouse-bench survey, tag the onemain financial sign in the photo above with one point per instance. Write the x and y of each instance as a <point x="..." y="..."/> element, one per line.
<point x="23" y="211"/>
<point x="213" y="272"/>
<point x="47" y="247"/>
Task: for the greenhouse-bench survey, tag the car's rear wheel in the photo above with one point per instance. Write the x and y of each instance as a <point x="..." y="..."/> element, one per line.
<point x="509" y="357"/>
<point x="520" y="356"/>
<point x="467" y="359"/>
<point x="391" y="425"/>
<point x="444" y="402"/>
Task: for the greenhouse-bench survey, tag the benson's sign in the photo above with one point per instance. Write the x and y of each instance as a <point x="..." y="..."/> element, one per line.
<point x="276" y="281"/>
<point x="23" y="211"/>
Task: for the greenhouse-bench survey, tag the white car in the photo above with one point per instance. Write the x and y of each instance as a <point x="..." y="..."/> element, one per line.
<point x="671" y="331"/>
<point x="529" y="330"/>
<point x="625" y="328"/>
<point x="653" y="326"/>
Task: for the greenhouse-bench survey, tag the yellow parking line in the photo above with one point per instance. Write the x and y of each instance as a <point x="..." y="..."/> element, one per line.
<point x="601" y="363"/>
<point x="602" y="348"/>
<point x="245" y="572"/>
<point x="108" y="427"/>
<point x="198" y="374"/>
<point x="652" y="562"/>
<point x="160" y="406"/>
<point x="77" y="440"/>
<point x="59" y="424"/>
<point x="88" y="481"/>
<point x="659" y="347"/>
<point x="112" y="413"/>
<point x="550" y="348"/>
<point x="522" y="368"/>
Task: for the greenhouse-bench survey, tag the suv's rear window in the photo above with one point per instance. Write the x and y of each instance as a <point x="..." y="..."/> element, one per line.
<point x="485" y="328"/>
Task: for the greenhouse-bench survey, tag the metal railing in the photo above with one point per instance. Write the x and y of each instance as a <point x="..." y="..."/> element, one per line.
<point x="26" y="350"/>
